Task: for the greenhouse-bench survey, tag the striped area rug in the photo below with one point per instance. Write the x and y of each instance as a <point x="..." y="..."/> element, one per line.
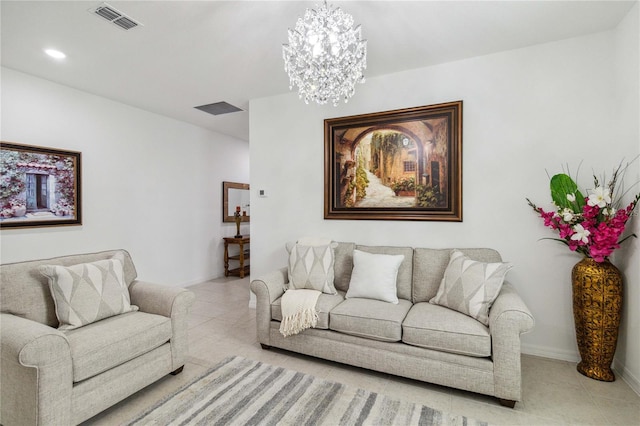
<point x="239" y="391"/>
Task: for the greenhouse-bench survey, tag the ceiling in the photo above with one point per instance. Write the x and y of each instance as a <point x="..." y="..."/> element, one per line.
<point x="190" y="53"/>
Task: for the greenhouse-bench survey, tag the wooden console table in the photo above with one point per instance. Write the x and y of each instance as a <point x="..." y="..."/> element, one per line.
<point x="242" y="257"/>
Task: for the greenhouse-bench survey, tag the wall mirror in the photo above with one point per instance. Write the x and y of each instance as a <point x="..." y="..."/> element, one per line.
<point x="235" y="195"/>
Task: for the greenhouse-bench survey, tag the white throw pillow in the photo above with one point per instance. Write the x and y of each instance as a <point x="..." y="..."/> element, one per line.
<point x="311" y="267"/>
<point x="88" y="292"/>
<point x="374" y="276"/>
<point x="470" y="287"/>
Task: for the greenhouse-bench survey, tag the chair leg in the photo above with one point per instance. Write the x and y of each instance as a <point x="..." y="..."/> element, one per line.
<point x="265" y="347"/>
<point x="507" y="403"/>
<point x="177" y="371"/>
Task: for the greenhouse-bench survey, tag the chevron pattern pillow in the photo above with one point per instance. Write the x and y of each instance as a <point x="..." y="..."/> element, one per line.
<point x="469" y="286"/>
<point x="311" y="267"/>
<point x="88" y="292"/>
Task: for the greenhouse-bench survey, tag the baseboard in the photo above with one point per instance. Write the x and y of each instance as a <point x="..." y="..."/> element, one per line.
<point x="552" y="353"/>
<point x="629" y="378"/>
<point x="548" y="352"/>
<point x="198" y="281"/>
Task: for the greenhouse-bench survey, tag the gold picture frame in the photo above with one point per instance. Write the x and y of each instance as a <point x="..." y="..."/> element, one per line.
<point x="395" y="165"/>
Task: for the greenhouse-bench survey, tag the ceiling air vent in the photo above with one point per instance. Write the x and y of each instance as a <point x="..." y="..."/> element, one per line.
<point x="219" y="108"/>
<point x="113" y="15"/>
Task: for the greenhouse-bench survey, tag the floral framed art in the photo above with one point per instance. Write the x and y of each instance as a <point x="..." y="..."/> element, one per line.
<point x="39" y="186"/>
<point x="395" y="165"/>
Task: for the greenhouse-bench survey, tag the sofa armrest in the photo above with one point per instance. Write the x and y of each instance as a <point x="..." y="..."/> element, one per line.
<point x="509" y="317"/>
<point x="36" y="373"/>
<point x="171" y="302"/>
<point x="267" y="289"/>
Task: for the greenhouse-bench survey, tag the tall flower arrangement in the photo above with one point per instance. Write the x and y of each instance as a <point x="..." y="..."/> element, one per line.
<point x="591" y="225"/>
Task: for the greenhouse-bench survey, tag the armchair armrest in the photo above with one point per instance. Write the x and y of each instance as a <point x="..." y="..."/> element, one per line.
<point x="267" y="289"/>
<point x="509" y="317"/>
<point x="36" y="372"/>
<point x="160" y="300"/>
<point x="171" y="302"/>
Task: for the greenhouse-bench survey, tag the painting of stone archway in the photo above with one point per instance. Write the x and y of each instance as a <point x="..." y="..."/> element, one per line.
<point x="395" y="165"/>
<point x="39" y="186"/>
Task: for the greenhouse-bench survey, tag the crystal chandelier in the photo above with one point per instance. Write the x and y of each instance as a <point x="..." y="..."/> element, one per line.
<point x="325" y="56"/>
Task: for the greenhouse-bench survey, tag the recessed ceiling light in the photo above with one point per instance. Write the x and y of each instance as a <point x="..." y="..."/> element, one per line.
<point x="55" y="53"/>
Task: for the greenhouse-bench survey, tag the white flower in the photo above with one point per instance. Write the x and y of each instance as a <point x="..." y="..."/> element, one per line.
<point x="567" y="215"/>
<point x="609" y="212"/>
<point x="599" y="198"/>
<point x="571" y="197"/>
<point x="581" y="234"/>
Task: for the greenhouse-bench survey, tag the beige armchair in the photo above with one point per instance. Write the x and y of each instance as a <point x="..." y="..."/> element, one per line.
<point x="54" y="377"/>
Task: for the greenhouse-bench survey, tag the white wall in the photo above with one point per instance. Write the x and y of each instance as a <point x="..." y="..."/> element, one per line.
<point x="627" y="90"/>
<point x="151" y="185"/>
<point x="526" y="112"/>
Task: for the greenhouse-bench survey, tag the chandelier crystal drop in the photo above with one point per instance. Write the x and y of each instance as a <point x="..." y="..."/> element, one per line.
<point x="325" y="56"/>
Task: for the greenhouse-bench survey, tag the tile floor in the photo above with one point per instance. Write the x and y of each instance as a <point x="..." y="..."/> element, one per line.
<point x="221" y="324"/>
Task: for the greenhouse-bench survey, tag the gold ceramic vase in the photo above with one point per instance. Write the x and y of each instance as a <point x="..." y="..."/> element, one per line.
<point x="597" y="304"/>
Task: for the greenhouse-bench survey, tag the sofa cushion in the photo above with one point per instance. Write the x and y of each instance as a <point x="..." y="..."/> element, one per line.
<point x="429" y="266"/>
<point x="326" y="302"/>
<point x="25" y="291"/>
<point x="470" y="287"/>
<point x="405" y="272"/>
<point x="443" y="329"/>
<point x="374" y="276"/>
<point x="343" y="265"/>
<point x="105" y="344"/>
<point x="88" y="292"/>
<point x="369" y="318"/>
<point x="311" y="267"/>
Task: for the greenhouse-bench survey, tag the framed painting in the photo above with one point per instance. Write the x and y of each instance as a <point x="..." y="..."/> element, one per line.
<point x="395" y="165"/>
<point x="39" y="186"/>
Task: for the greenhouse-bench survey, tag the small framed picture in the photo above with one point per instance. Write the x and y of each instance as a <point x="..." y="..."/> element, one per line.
<point x="39" y="186"/>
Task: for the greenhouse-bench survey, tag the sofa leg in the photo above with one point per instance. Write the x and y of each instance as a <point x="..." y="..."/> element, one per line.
<point x="507" y="403"/>
<point x="265" y="347"/>
<point x="177" y="371"/>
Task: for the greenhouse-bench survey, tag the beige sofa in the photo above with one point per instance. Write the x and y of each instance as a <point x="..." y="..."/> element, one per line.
<point x="54" y="377"/>
<point x="414" y="338"/>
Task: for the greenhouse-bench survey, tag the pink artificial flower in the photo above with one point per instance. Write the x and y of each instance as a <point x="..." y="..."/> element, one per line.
<point x="565" y="231"/>
<point x="597" y="230"/>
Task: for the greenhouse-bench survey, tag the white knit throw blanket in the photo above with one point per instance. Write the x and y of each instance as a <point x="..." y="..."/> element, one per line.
<point x="298" y="311"/>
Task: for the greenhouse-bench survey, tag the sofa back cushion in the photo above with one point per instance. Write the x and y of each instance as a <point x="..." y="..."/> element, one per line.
<point x="343" y="265"/>
<point x="429" y="266"/>
<point x="25" y="291"/>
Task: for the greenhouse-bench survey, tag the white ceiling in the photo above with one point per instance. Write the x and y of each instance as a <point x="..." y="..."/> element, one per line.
<point x="190" y="53"/>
